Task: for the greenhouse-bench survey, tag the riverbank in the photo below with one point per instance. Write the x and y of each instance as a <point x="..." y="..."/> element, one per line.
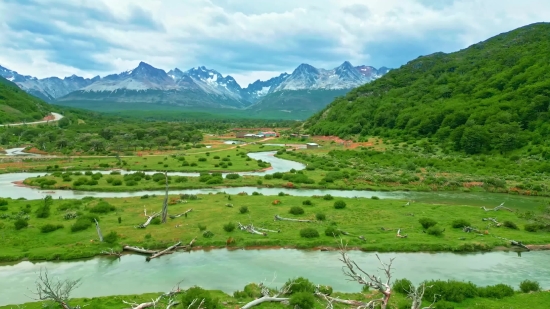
<point x="377" y="221"/>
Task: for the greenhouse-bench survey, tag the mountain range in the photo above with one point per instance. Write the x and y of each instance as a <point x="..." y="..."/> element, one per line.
<point x="299" y="94"/>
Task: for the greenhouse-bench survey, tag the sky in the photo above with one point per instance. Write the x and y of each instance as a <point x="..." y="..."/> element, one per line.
<point x="247" y="39"/>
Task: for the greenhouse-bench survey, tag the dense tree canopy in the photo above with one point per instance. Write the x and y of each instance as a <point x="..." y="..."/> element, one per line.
<point x="491" y="96"/>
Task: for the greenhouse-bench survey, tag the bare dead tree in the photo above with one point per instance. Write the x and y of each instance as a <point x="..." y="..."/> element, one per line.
<point x="149" y="219"/>
<point x="355" y="273"/>
<point x="165" y="203"/>
<point x="501" y="206"/>
<point x="494" y="220"/>
<point x="98" y="230"/>
<point x="416" y="295"/>
<point x="56" y="290"/>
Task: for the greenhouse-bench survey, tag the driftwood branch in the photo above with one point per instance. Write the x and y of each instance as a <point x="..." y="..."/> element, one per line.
<point x="501" y="206"/>
<point x="399" y="234"/>
<point x="98" y="230"/>
<point x="153" y="303"/>
<point x="416" y="295"/>
<point x="251" y="229"/>
<point x="139" y="250"/>
<point x="112" y="252"/>
<point x="492" y="220"/>
<point x="267" y="297"/>
<point x="149" y="219"/>
<point x="182" y="214"/>
<point x="277" y="217"/>
<point x="515" y="243"/>
<point x="165" y="251"/>
<point x="165" y="202"/>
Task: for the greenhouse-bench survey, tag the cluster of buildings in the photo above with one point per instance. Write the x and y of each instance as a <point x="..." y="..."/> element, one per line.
<point x="257" y="135"/>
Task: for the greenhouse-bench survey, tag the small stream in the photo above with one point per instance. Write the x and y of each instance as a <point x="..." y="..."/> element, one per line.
<point x="231" y="270"/>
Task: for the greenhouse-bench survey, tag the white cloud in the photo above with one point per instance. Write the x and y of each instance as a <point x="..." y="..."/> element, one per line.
<point x="248" y="39"/>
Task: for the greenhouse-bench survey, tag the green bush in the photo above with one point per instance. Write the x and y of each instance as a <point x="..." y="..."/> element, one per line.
<point x="302" y="300"/>
<point x="111" y="238"/>
<point x="527" y="286"/>
<point x="339" y="204"/>
<point x="450" y="290"/>
<point x="320" y="217"/>
<point x="309" y="232"/>
<point x="102" y="207"/>
<point x="331" y="231"/>
<point x="229" y="227"/>
<point x="81" y="224"/>
<point x="20" y="224"/>
<point x="207" y="234"/>
<point x="460" y="223"/>
<point x="510" y="225"/>
<point x="307" y="203"/>
<point x="435" y="231"/>
<point x="531" y="227"/>
<point x="50" y="228"/>
<point x="402" y="286"/>
<point x="180" y="179"/>
<point x="196" y="293"/>
<point x="296" y="210"/>
<point x="300" y="284"/>
<point x="3" y="208"/>
<point x="328" y="197"/>
<point x="374" y="197"/>
<point x="201" y="227"/>
<point x="232" y="176"/>
<point x="156" y="221"/>
<point x="117" y="182"/>
<point x="325" y="289"/>
<point x="497" y="291"/>
<point x="3" y="202"/>
<point x="243" y="209"/>
<point x="119" y="220"/>
<point x="427" y="222"/>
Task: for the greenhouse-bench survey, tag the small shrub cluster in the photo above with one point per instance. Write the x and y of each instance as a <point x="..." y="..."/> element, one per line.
<point x="309" y="232"/>
<point x="81" y="224"/>
<point x="320" y="217"/>
<point x="296" y="210"/>
<point x="307" y="203"/>
<point x="111" y="238"/>
<point x="102" y="207"/>
<point x="427" y="222"/>
<point x="339" y="204"/>
<point x="207" y="234"/>
<point x="201" y="227"/>
<point x="20" y="224"/>
<point x="460" y="223"/>
<point x="243" y="209"/>
<point x="50" y="228"/>
<point x="331" y="231"/>
<point x="229" y="227"/>
<point x="527" y="286"/>
<point x="192" y="294"/>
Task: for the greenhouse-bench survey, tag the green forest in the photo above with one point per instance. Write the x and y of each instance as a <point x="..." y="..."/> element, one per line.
<point x="17" y="106"/>
<point x="493" y="96"/>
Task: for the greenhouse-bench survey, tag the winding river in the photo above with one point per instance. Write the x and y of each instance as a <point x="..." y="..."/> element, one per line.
<point x="230" y="270"/>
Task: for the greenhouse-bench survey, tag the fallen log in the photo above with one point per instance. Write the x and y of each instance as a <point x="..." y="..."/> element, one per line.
<point x="515" y="243"/>
<point x="250" y="228"/>
<point x="492" y="220"/>
<point x="266" y="297"/>
<point x="272" y="231"/>
<point x="152" y="303"/>
<point x="182" y="214"/>
<point x="277" y="217"/>
<point x="469" y="229"/>
<point x="501" y="206"/>
<point x="187" y="247"/>
<point x="165" y="251"/>
<point x="139" y="250"/>
<point x="149" y="219"/>
<point x="399" y="234"/>
<point x="112" y="252"/>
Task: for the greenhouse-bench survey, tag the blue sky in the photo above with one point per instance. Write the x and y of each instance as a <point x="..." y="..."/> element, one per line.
<point x="248" y="39"/>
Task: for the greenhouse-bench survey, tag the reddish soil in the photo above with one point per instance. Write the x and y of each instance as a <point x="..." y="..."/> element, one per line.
<point x="36" y="151"/>
<point x="473" y="184"/>
<point x="49" y="117"/>
<point x="347" y="143"/>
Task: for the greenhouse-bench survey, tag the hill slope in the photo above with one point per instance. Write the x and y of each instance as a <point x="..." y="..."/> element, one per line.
<point x="494" y="95"/>
<point x="16" y="105"/>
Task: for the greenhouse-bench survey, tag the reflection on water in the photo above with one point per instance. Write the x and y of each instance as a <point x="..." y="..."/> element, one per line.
<point x="231" y="270"/>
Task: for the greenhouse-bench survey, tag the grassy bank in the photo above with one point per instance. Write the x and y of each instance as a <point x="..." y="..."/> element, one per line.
<point x="225" y="159"/>
<point x="221" y="300"/>
<point x="376" y="220"/>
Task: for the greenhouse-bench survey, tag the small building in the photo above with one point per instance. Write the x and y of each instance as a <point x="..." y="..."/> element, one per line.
<point x="312" y="145"/>
<point x="304" y="135"/>
<point x="249" y="135"/>
<point x="268" y="134"/>
<point x="240" y="135"/>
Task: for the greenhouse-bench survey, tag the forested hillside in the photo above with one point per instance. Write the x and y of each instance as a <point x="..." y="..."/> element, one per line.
<point x="491" y="96"/>
<point x="16" y="105"/>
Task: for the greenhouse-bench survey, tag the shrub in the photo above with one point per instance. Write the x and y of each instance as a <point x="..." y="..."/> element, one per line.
<point x="81" y="224"/>
<point x="232" y="176"/>
<point x="427" y="222"/>
<point x="192" y="294"/>
<point x="307" y="203"/>
<point x="302" y="300"/>
<point x="20" y="224"/>
<point x="497" y="291"/>
<point x="281" y="194"/>
<point x="325" y="289"/>
<point x="527" y="286"/>
<point x="331" y="231"/>
<point x="202" y="159"/>
<point x="510" y="225"/>
<point x="328" y="197"/>
<point x="119" y="220"/>
<point x="3" y="202"/>
<point x="340" y="204"/>
<point x="117" y="182"/>
<point x="451" y="290"/>
<point x="3" y="208"/>
<point x="207" y="234"/>
<point x="229" y="227"/>
<point x="201" y="227"/>
<point x="460" y="223"/>
<point x="309" y="232"/>
<point x="296" y="210"/>
<point x="531" y="227"/>
<point x="180" y="179"/>
<point x="301" y="284"/>
<point x="320" y="217"/>
<point x="435" y="231"/>
<point x="402" y="286"/>
<point x="156" y="221"/>
<point x="43" y="211"/>
<point x="111" y="238"/>
<point x="102" y="208"/>
<point x="50" y="228"/>
<point x="374" y="197"/>
<point x="243" y="209"/>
